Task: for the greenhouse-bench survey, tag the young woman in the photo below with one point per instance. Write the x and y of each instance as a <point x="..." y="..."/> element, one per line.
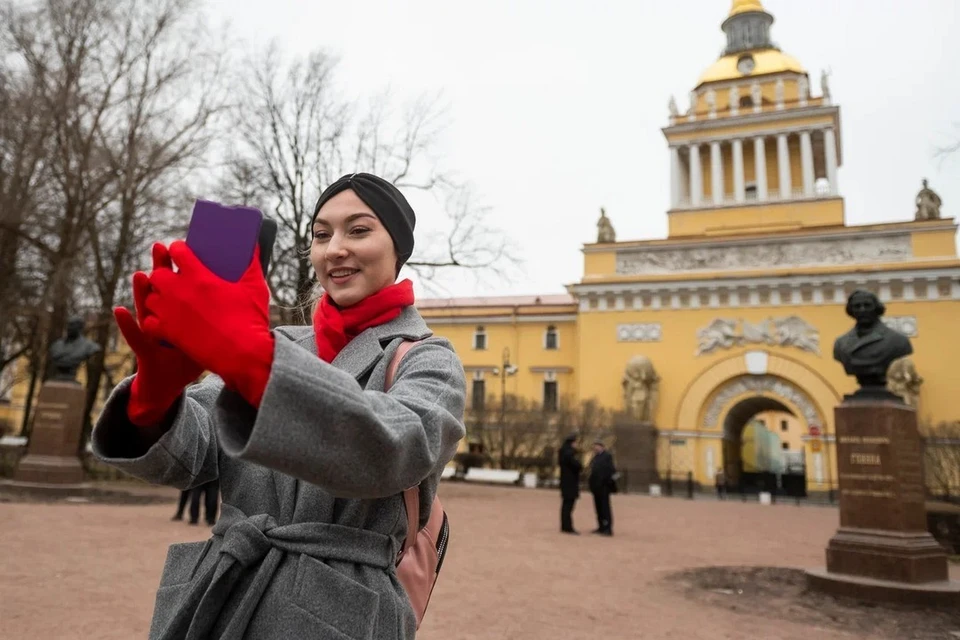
<point x="311" y="454"/>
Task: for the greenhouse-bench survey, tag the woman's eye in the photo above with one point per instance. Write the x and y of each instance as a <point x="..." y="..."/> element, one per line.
<point x="320" y="235"/>
<point x="356" y="231"/>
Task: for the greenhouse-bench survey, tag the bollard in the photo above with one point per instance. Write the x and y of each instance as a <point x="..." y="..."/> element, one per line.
<point x="690" y="485"/>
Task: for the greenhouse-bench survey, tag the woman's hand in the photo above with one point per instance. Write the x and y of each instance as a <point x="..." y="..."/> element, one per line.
<point x="223" y="326"/>
<point x="162" y="371"/>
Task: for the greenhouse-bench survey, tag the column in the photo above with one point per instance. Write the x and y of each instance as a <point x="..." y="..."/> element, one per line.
<point x="806" y="161"/>
<point x="675" y="169"/>
<point x="830" y="147"/>
<point x="783" y="165"/>
<point x="696" y="178"/>
<point x="760" y="169"/>
<point x="716" y="173"/>
<point x="738" y="192"/>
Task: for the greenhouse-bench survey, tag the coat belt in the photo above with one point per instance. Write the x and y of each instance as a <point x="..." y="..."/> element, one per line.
<point x="257" y="543"/>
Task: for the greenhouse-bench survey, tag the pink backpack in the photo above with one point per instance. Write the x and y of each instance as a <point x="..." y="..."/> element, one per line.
<point x="419" y="562"/>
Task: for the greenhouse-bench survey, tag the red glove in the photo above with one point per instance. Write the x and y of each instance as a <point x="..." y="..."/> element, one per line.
<point x="162" y="372"/>
<point x="223" y="326"/>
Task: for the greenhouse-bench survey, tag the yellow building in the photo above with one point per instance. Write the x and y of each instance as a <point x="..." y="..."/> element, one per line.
<point x="739" y="306"/>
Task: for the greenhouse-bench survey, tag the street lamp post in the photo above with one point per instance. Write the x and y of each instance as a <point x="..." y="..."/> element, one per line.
<point x="506" y="369"/>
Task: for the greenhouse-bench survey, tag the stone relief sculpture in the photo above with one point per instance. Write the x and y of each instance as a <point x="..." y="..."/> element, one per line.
<point x="760" y="384"/>
<point x="641" y="389"/>
<point x="779" y="92"/>
<point x="673" y="107"/>
<point x="757" y="95"/>
<point x="794" y="331"/>
<point x="770" y="254"/>
<point x="928" y="204"/>
<point x="734" y="100"/>
<point x="904" y="381"/>
<point x="791" y="331"/>
<point x="719" y="334"/>
<point x="605" y="232"/>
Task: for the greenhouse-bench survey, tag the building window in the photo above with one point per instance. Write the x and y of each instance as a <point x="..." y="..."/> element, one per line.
<point x="783" y="425"/>
<point x="549" y="395"/>
<point x="785" y="446"/>
<point x="480" y="339"/>
<point x="551" y="340"/>
<point x="750" y="191"/>
<point x="746" y="101"/>
<point x="478" y="395"/>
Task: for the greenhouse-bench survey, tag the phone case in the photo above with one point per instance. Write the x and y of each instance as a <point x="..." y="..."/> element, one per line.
<point x="224" y="238"/>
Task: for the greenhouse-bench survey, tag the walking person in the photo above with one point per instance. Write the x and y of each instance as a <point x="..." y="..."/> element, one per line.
<point x="311" y="451"/>
<point x="570" y="470"/>
<point x="602" y="484"/>
<point x="721" y="481"/>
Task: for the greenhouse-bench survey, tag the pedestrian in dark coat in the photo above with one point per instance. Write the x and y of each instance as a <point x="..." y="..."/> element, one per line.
<point x="570" y="469"/>
<point x="311" y="452"/>
<point x="602" y="484"/>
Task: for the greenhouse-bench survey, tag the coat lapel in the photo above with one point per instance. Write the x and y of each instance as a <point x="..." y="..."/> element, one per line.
<point x="363" y="352"/>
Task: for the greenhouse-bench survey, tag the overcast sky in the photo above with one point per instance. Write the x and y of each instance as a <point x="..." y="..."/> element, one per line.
<point x="556" y="106"/>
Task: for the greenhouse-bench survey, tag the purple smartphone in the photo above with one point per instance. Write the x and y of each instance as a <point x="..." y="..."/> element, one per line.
<point x="223" y="238"/>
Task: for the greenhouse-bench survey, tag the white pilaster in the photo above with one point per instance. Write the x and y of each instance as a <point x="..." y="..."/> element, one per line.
<point x="716" y="173"/>
<point x="760" y="168"/>
<point x="655" y="302"/>
<point x="618" y="304"/>
<point x="754" y="296"/>
<point x="775" y="297"/>
<point x="738" y="191"/>
<point x="637" y="301"/>
<point x="675" y="173"/>
<point x="696" y="177"/>
<point x="955" y="289"/>
<point x="839" y="294"/>
<point x="884" y="291"/>
<point x="933" y="291"/>
<point x="909" y="293"/>
<point x="796" y="296"/>
<point x="817" y="292"/>
<point x="734" y="298"/>
<point x="830" y="147"/>
<point x="806" y="160"/>
<point x="783" y="166"/>
<point x="674" y="299"/>
<point x="715" y="298"/>
<point x="602" y="303"/>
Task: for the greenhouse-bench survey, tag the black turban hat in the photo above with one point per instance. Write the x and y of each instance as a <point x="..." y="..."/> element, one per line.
<point x="387" y="203"/>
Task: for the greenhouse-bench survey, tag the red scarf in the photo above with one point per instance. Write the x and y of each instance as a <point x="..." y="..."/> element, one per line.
<point x="335" y="327"/>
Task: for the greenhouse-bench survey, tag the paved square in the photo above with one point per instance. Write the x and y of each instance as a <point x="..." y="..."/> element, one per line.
<point x="91" y="571"/>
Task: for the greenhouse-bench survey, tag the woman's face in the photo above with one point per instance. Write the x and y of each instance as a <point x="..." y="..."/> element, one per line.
<point x="352" y="252"/>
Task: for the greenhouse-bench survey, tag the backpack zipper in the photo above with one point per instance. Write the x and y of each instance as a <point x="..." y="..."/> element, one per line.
<point x="442" y="542"/>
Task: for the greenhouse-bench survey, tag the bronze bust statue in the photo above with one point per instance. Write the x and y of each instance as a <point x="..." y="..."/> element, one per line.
<point x="69" y="352"/>
<point x="867" y="350"/>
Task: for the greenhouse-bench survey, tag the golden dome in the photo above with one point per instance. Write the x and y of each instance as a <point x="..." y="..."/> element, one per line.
<point x="765" y="61"/>
<point x="744" y="6"/>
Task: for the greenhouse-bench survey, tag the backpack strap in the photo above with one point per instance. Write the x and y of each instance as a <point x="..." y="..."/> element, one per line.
<point x="411" y="496"/>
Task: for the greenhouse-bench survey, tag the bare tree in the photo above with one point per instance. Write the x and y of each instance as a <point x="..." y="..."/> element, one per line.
<point x="297" y="134"/>
<point x="941" y="448"/>
<point x="157" y="132"/>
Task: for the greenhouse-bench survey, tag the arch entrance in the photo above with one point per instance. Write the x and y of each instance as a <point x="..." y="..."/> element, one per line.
<point x="760" y="436"/>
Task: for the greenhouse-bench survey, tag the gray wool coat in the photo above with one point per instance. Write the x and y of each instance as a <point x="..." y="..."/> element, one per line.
<point x="313" y="516"/>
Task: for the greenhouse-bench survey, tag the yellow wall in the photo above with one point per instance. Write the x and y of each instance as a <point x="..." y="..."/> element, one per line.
<point x="770" y="216"/>
<point x="792" y="436"/>
<point x="934" y="244"/>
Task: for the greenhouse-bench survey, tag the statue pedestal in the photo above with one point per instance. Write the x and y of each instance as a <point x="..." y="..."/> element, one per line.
<point x="51" y="458"/>
<point x="882" y="550"/>
<point x="636" y="452"/>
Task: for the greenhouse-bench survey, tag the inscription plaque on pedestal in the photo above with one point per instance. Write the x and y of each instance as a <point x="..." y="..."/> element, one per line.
<point x="58" y="422"/>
